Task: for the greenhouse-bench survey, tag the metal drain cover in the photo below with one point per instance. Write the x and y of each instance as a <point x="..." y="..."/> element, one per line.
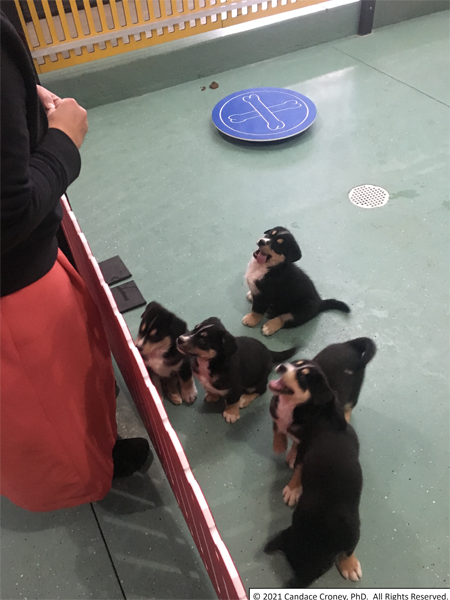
<point x="368" y="196"/>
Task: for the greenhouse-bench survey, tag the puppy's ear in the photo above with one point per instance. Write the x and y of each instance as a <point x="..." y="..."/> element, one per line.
<point x="177" y="326"/>
<point x="320" y="389"/>
<point x="294" y="253"/>
<point x="145" y="311"/>
<point x="151" y="305"/>
<point x="229" y="343"/>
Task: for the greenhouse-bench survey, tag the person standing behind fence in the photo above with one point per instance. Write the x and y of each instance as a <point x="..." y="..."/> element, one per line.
<point x="58" y="426"/>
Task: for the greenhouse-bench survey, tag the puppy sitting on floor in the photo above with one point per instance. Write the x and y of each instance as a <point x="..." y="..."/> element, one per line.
<point x="344" y="366"/>
<point x="157" y="343"/>
<point x="279" y="288"/>
<point x="234" y="368"/>
<point x="325" y="524"/>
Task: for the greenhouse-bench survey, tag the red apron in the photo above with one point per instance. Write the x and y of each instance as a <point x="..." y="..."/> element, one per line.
<point x="58" y="424"/>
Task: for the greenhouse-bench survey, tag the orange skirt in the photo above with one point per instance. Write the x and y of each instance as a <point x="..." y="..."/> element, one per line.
<point x="58" y="424"/>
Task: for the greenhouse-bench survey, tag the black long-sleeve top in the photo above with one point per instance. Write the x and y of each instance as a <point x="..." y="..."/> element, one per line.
<point x="37" y="166"/>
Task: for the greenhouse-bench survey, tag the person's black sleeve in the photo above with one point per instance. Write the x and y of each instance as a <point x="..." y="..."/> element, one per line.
<point x="32" y="183"/>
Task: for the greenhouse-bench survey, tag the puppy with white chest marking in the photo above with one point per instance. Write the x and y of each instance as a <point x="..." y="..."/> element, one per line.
<point x="157" y="343"/>
<point x="325" y="525"/>
<point x="234" y="368"/>
<point x="280" y="288"/>
<point x="344" y="366"/>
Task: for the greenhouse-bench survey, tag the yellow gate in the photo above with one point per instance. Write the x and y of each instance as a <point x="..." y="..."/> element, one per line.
<point x="63" y="33"/>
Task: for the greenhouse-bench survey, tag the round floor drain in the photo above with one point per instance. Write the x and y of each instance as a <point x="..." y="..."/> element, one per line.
<point x="368" y="196"/>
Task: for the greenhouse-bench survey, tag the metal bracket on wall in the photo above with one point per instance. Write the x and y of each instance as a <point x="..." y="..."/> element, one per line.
<point x="366" y="17"/>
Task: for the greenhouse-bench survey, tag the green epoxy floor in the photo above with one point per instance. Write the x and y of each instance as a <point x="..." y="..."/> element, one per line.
<point x="183" y="207"/>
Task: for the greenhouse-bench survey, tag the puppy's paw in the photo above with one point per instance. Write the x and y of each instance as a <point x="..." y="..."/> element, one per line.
<point x="291" y="495"/>
<point x="245" y="399"/>
<point x="249" y="296"/>
<point x="231" y="413"/>
<point x="211" y="397"/>
<point x="251" y="319"/>
<point x="230" y="418"/>
<point x="189" y="395"/>
<point x="350" y="568"/>
<point x="272" y="326"/>
<point x="175" y="398"/>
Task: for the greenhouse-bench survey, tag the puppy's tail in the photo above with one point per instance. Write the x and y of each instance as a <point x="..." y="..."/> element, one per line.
<point x="332" y="304"/>
<point x="366" y="348"/>
<point x="278" y="357"/>
<point x="278" y="543"/>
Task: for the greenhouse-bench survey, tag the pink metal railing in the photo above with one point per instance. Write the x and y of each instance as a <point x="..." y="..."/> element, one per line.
<point x="214" y="553"/>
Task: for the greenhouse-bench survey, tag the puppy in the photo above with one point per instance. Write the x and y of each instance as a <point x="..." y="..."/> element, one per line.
<point x="325" y="524"/>
<point x="157" y="343"/>
<point x="279" y="287"/>
<point x="233" y="368"/>
<point x="344" y="367"/>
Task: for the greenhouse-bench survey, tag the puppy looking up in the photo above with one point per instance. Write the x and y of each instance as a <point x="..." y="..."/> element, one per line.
<point x="234" y="368"/>
<point x="280" y="288"/>
<point x="344" y="367"/>
<point x="325" y="525"/>
<point x="157" y="343"/>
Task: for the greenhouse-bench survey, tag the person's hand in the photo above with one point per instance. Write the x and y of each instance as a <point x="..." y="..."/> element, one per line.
<point x="49" y="99"/>
<point x="71" y="118"/>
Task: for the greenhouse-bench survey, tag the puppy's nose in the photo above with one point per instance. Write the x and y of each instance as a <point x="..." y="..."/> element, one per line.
<point x="138" y="343"/>
<point x="182" y="339"/>
<point x="281" y="369"/>
<point x="261" y="242"/>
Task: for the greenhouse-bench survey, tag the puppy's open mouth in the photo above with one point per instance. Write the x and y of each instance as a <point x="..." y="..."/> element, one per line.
<point x="260" y="257"/>
<point x="277" y="386"/>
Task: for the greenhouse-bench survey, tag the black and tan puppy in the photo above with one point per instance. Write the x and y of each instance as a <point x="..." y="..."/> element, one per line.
<point x="325" y="524"/>
<point x="279" y="288"/>
<point x="157" y="343"/>
<point x="234" y="368"/>
<point x="344" y="366"/>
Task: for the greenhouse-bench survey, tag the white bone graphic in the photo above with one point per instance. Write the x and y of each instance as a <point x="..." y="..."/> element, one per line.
<point x="252" y="114"/>
<point x="261" y="110"/>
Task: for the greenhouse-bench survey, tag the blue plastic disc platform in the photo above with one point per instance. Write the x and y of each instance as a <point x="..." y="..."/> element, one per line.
<point x="264" y="114"/>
